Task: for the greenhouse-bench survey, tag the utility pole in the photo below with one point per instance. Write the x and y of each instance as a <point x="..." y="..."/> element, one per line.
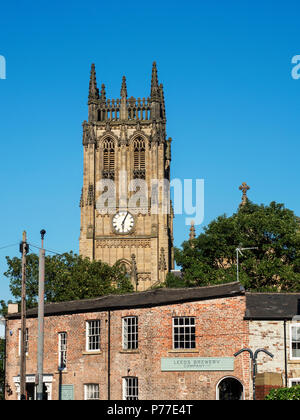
<point x="40" y="351"/>
<point x="23" y="249"/>
<point x="253" y="357"/>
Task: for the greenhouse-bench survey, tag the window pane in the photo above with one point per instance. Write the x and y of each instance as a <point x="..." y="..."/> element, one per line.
<point x="295" y="333"/>
<point x="93" y="338"/>
<point x="184" y="333"/>
<point x="131" y="389"/>
<point x="62" y="360"/>
<point x="92" y="392"/>
<point x="130" y="333"/>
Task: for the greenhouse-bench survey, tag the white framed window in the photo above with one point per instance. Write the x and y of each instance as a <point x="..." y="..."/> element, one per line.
<point x="294" y="382"/>
<point x="93" y="335"/>
<point x="130" y="388"/>
<point x="62" y="350"/>
<point x="26" y="341"/>
<point x="91" y="392"/>
<point x="130" y="332"/>
<point x="184" y="332"/>
<point x="295" y="341"/>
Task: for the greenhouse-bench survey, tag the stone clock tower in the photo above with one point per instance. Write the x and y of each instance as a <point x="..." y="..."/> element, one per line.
<point x="126" y="139"/>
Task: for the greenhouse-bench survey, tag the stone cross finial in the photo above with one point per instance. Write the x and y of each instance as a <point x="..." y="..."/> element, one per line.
<point x="244" y="187"/>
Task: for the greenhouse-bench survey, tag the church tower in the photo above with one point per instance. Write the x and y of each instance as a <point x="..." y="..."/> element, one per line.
<point x="125" y="146"/>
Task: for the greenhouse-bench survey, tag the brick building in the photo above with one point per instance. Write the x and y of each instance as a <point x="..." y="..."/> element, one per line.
<point x="164" y="344"/>
<point x="153" y="345"/>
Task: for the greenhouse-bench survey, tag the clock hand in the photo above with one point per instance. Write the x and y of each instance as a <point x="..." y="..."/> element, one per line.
<point x="124" y="221"/>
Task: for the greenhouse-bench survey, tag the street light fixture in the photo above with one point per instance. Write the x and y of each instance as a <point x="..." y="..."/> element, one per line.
<point x="253" y="357"/>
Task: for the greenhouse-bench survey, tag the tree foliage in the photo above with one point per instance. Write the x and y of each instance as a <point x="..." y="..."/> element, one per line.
<point x="173" y="281"/>
<point x="292" y="393"/>
<point x="67" y="277"/>
<point x="274" y="266"/>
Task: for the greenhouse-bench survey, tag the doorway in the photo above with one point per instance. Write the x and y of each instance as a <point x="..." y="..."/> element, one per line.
<point x="30" y="388"/>
<point x="31" y="391"/>
<point x="230" y="389"/>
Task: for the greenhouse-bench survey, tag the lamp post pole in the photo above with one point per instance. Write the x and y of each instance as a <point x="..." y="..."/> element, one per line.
<point x="40" y="352"/>
<point x="24" y="250"/>
<point x="253" y="357"/>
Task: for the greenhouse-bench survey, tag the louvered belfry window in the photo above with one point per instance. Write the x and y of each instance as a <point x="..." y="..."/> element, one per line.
<point x="108" y="159"/>
<point x="139" y="170"/>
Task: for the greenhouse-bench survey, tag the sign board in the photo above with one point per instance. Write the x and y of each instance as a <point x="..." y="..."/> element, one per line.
<point x="67" y="392"/>
<point x="169" y="364"/>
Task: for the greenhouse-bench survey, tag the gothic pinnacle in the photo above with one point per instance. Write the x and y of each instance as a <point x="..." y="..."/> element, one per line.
<point x="103" y="93"/>
<point x="155" y="90"/>
<point x="124" y="88"/>
<point x="192" y="231"/>
<point x="93" y="90"/>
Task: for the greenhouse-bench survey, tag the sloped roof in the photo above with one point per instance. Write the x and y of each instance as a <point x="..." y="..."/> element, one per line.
<point x="150" y="298"/>
<point x="272" y="306"/>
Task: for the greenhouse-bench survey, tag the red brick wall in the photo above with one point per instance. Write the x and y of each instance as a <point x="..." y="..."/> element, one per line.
<point x="220" y="332"/>
<point x="262" y="390"/>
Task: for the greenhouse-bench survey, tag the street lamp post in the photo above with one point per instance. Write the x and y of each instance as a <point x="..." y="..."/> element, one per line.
<point x="40" y="348"/>
<point x="253" y="357"/>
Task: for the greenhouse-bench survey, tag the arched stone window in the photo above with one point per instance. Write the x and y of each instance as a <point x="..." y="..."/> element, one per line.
<point x="139" y="156"/>
<point x="108" y="159"/>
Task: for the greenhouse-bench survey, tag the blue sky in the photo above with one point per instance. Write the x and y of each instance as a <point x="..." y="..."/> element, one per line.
<point x="232" y="105"/>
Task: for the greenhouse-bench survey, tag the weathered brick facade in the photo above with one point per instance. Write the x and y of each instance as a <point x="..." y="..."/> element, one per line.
<point x="226" y="320"/>
<point x="219" y="328"/>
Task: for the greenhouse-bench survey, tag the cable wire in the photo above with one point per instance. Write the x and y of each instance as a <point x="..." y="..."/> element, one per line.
<point x="8" y="246"/>
<point x="48" y="250"/>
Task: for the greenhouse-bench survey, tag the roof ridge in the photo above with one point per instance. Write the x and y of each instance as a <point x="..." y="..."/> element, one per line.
<point x="144" y="292"/>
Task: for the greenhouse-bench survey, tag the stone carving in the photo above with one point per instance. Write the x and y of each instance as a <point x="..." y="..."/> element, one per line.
<point x="123" y="243"/>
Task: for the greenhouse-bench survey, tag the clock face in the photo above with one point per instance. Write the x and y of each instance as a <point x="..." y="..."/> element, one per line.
<point x="123" y="222"/>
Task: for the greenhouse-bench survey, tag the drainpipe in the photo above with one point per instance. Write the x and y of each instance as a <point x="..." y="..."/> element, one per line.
<point x="285" y="354"/>
<point x="108" y="358"/>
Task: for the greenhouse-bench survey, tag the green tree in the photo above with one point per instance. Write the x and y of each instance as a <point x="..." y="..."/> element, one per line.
<point x="67" y="277"/>
<point x="173" y="281"/>
<point x="274" y="266"/>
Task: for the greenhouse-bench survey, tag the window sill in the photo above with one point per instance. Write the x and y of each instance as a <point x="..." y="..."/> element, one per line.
<point x="294" y="361"/>
<point x="129" y="351"/>
<point x="92" y="352"/>
<point x="183" y="351"/>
